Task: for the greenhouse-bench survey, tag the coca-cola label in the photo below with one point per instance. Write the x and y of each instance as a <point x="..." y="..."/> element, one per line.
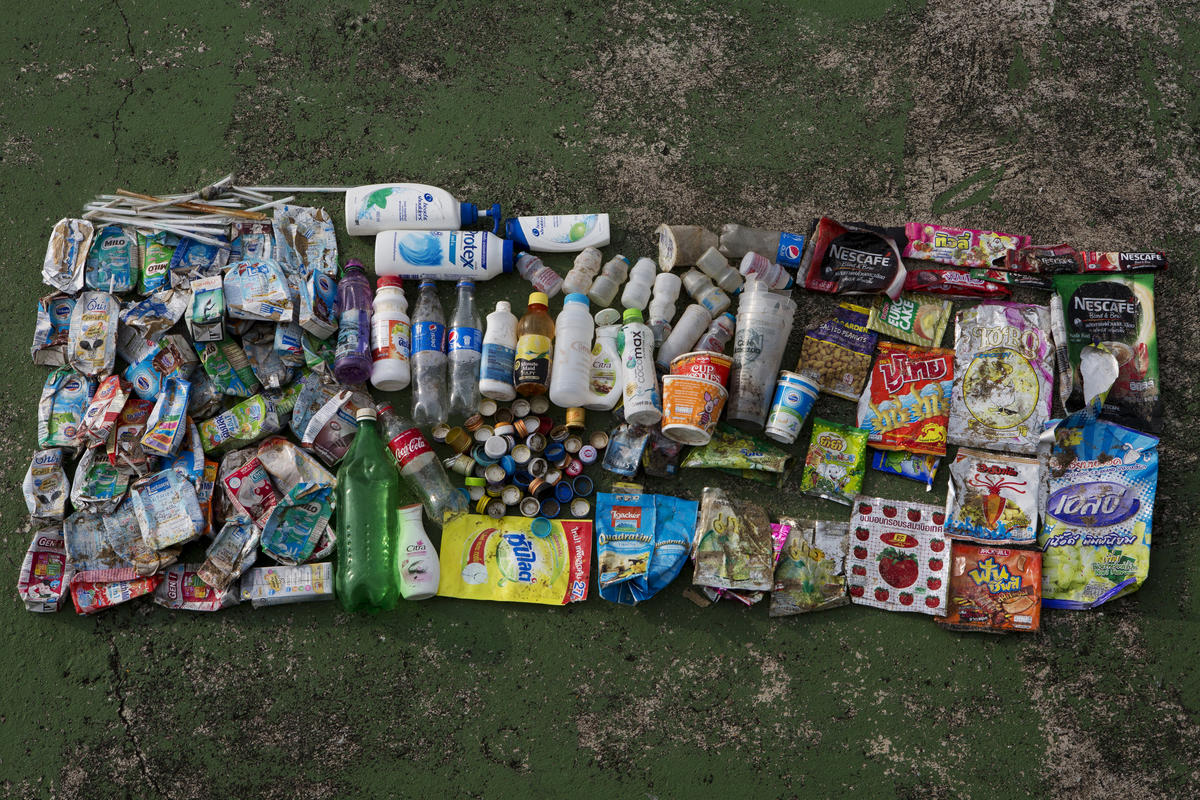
<point x="408" y="445"/>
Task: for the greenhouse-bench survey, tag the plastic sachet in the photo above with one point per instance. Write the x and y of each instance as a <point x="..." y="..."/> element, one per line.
<point x="92" y="339"/>
<point x="98" y="485"/>
<point x="188" y="459"/>
<point x="324" y="417"/>
<point x="640" y="530"/>
<point x="65" y="398"/>
<point x="289" y="345"/>
<point x="274" y="586"/>
<point x="257" y="290"/>
<point x="245" y="423"/>
<point x="733" y="547"/>
<point x="227" y="366"/>
<point x="46" y="487"/>
<point x="66" y="254"/>
<point x="232" y="551"/>
<point x="92" y="596"/>
<point x="112" y="261"/>
<point x="52" y="330"/>
<point x="124" y="445"/>
<point x="165" y="425"/>
<point x="158" y="313"/>
<point x="836" y="461"/>
<point x="182" y="589"/>
<point x="318" y="304"/>
<point x="250" y="489"/>
<point x="156" y="255"/>
<point x="103" y="410"/>
<point x="193" y="257"/>
<point x="44" y="579"/>
<point x="259" y="346"/>
<point x="305" y="240"/>
<point x="811" y="572"/>
<point x="167" y="509"/>
<point x="205" y="400"/>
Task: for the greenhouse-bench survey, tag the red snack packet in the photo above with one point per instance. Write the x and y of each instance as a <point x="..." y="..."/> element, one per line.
<point x="847" y="259"/>
<point x="251" y="490"/>
<point x="90" y="597"/>
<point x="952" y="283"/>
<point x="959" y="247"/>
<point x="906" y="405"/>
<point x="1096" y="261"/>
<point x="898" y="555"/>
<point x="994" y="589"/>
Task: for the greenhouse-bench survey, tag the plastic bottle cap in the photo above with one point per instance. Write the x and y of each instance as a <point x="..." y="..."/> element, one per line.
<point x="583" y="485"/>
<point x="539" y="299"/>
<point x="390" y="280"/>
<point x="495" y="446"/>
<point x="563" y="492"/>
<point x="541" y="527"/>
<point x="364" y="413"/>
<point x="607" y="316"/>
<point x="520" y="407"/>
<point x="539" y="404"/>
<point x="580" y="507"/>
<point x="475" y="482"/>
<point x="632" y="315"/>
<point x="487" y="406"/>
<point x="530" y="507"/>
<point x="466" y="283"/>
<point x="576" y="297"/>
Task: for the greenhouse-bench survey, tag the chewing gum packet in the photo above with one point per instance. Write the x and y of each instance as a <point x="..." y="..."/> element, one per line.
<point x="182" y="589"/>
<point x="52" y="330"/>
<point x="45" y="577"/>
<point x="959" y="247"/>
<point x="66" y="254"/>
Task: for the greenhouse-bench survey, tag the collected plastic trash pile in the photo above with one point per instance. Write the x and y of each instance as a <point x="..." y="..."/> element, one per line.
<point x="210" y="383"/>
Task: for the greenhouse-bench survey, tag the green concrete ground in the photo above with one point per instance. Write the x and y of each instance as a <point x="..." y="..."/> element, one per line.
<point x="1068" y="120"/>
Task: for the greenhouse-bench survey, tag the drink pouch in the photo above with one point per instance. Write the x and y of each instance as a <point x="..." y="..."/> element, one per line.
<point x="103" y="410"/>
<point x="182" y="589"/>
<point x="1117" y="312"/>
<point x="899" y="556"/>
<point x="293" y="533"/>
<point x="188" y="459"/>
<point x="288" y="346"/>
<point x="46" y="487"/>
<point x="323" y="418"/>
<point x="233" y="549"/>
<point x="740" y="452"/>
<point x="625" y="447"/>
<point x="836" y="461"/>
<point x="247" y="422"/>
<point x="1003" y="377"/>
<point x="911" y="318"/>
<point x="839" y="351"/>
<point x="207" y="317"/>
<point x="124" y="447"/>
<point x="732" y="544"/>
<point x="807" y="576"/>
<point x="953" y="283"/>
<point x="65" y="399"/>
<point x="295" y="474"/>
<point x="906" y="405"/>
<point x="200" y="258"/>
<point x="66" y="254"/>
<point x="44" y="577"/>
<point x="906" y="465"/>
<point x="223" y="507"/>
<point x="624" y="538"/>
<point x="52" y="330"/>
<point x="848" y="259"/>
<point x="165" y="425"/>
<point x="90" y="597"/>
<point x="305" y="240"/>
<point x="205" y="400"/>
<point x="257" y="290"/>
<point x="318" y="353"/>
<point x="959" y="247"/>
<point x="504" y="559"/>
<point x="274" y="586"/>
<point x="250" y="490"/>
<point x="92" y="340"/>
<point x="993" y="589"/>
<point x="98" y="485"/>
<point x="112" y="261"/>
<point x="993" y="498"/>
<point x="318" y="304"/>
<point x="238" y="381"/>
<point x="156" y="314"/>
<point x="251" y="241"/>
<point x="166" y="509"/>
<point x="259" y="347"/>
<point x="1096" y="537"/>
<point x="156" y="262"/>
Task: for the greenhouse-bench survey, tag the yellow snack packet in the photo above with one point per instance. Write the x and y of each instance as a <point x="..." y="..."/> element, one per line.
<point x="516" y="559"/>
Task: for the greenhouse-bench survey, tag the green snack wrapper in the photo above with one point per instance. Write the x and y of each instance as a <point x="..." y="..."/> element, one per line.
<point x="837" y="459"/>
<point x="156" y="262"/>
<point x="913" y="318"/>
<point x="737" y="452"/>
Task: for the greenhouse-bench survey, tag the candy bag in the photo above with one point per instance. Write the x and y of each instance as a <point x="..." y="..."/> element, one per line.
<point x="732" y="546"/>
<point x="906" y="465"/>
<point x="993" y="589"/>
<point x="911" y="318"/>
<point x="156" y="262"/>
<point x="52" y="330"/>
<point x="959" y="247"/>
<point x="846" y="259"/>
<point x="92" y="340"/>
<point x="182" y="589"/>
<point x="66" y="254"/>
<point x="257" y="290"/>
<point x="839" y="351"/>
<point x="807" y="577"/>
<point x="898" y="557"/>
<point x="907" y="402"/>
<point x="44" y="578"/>
<point x="836" y="461"/>
<point x="65" y="399"/>
<point x="993" y="498"/>
<point x="112" y="261"/>
<point x="46" y="487"/>
<point x="953" y="283"/>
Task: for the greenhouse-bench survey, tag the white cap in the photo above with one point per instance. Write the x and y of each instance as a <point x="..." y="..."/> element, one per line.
<point x="366" y="412"/>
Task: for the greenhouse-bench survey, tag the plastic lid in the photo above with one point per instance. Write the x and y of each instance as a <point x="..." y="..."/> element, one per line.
<point x="513" y="232"/>
<point x="353" y="264"/>
<point x="506" y="255"/>
<point x="475" y="482"/>
<point x="426" y="282"/>
<point x="364" y="413"/>
<point x="469" y="214"/>
<point x="390" y="280"/>
<point x="576" y="297"/>
<point x="539" y="299"/>
<point x="541" y="527"/>
<point x="632" y="315"/>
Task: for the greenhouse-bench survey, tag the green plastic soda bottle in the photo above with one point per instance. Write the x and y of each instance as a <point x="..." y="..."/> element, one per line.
<point x="368" y="495"/>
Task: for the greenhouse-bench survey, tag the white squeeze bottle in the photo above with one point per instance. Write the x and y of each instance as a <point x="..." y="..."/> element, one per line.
<point x="604" y="288"/>
<point x="544" y="279"/>
<point x="558" y="233"/>
<point x="391" y="332"/>
<point x="409" y="206"/>
<point x="442" y="255"/>
<point x="499" y="353"/>
<point x="417" y="568"/>
<point x="604" y="389"/>
<point x="703" y="292"/>
<point x="691" y="326"/>
<point x="662" y="305"/>
<point x="637" y="291"/>
<point x="718" y="334"/>
<point x="643" y="404"/>
<point x="714" y="265"/>
<point x="760" y="267"/>
<point x="587" y="264"/>
<point x="571" y="376"/>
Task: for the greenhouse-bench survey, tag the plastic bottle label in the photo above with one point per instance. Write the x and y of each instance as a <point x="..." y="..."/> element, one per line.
<point x="497" y="363"/>
<point x="391" y="338"/>
<point x="348" y="335"/>
<point x="533" y="359"/>
<point x="791" y="248"/>
<point x="429" y="336"/>
<point x="407" y="446"/>
<point x="463" y="338"/>
<point x="604" y="371"/>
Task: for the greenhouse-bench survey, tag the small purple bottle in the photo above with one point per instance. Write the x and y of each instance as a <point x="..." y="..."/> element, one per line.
<point x="352" y="357"/>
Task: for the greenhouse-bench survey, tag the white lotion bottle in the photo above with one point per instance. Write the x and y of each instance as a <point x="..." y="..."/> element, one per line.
<point x="606" y="383"/>
<point x="558" y="233"/>
<point x="408" y="206"/>
<point x="442" y="255"/>
<point x="571" y="376"/>
<point x="418" y="570"/>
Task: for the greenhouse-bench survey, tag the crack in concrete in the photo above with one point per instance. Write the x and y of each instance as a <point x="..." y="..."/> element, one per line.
<point x="126" y="84"/>
<point x="114" y="663"/>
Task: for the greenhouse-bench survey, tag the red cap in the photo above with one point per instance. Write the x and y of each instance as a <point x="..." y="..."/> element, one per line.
<point x="389" y="280"/>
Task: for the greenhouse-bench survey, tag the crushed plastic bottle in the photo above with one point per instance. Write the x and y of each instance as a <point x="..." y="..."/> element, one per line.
<point x="587" y="264"/>
<point x="419" y="467"/>
<point x="760" y="268"/>
<point x="780" y="246"/>
<point x="466" y="350"/>
<point x="544" y="279"/>
<point x="429" y="402"/>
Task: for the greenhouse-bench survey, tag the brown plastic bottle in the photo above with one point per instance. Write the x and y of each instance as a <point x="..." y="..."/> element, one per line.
<point x="535" y="333"/>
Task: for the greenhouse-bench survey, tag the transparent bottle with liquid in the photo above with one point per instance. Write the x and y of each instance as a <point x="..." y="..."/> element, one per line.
<point x="430" y="404"/>
<point x="465" y="346"/>
<point x="535" y="337"/>
<point x="423" y="474"/>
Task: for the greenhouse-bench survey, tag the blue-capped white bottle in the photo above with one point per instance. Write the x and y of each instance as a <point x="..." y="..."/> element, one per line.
<point x="442" y="255"/>
<point x="410" y="206"/>
<point x="558" y="233"/>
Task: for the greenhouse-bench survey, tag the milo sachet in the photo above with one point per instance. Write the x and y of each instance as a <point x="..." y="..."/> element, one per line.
<point x="112" y="261"/>
<point x="733" y="547"/>
<point x="156" y="262"/>
<point x="836" y="461"/>
<point x="292" y="533"/>
<point x="46" y="486"/>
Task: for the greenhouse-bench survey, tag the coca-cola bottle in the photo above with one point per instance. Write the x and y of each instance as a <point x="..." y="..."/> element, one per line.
<point x="420" y="467"/>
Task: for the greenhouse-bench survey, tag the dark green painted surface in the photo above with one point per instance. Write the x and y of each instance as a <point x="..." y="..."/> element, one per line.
<point x="1068" y="121"/>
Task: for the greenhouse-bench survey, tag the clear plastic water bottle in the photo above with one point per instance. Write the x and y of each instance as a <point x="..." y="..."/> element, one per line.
<point x="419" y="467"/>
<point x="429" y="402"/>
<point x="466" y="349"/>
<point x="611" y="276"/>
<point x="544" y="279"/>
<point x="662" y="305"/>
<point x="352" y="356"/>
<point x="637" y="291"/>
<point x="718" y="334"/>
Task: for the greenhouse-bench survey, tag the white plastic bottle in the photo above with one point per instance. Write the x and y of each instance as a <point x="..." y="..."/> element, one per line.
<point x="605" y="386"/>
<point x="714" y="265"/>
<point x="579" y="279"/>
<point x="691" y="326"/>
<point x="703" y="292"/>
<point x="442" y="255"/>
<point x="611" y="276"/>
<point x="662" y="305"/>
<point x="643" y="402"/>
<point x="641" y="278"/>
<point x="561" y="233"/>
<point x="544" y="279"/>
<point x="408" y="206"/>
<point x="499" y="353"/>
<point x="718" y="334"/>
<point x="760" y="267"/>
<point x="572" y="353"/>
<point x="418" y="570"/>
<point x="391" y="337"/>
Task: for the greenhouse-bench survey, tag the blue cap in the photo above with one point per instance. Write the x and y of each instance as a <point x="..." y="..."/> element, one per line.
<point x="513" y="231"/>
<point x="576" y="297"/>
<point x="563" y="492"/>
<point x="469" y="214"/>
<point x="506" y="255"/>
<point x="542" y="527"/>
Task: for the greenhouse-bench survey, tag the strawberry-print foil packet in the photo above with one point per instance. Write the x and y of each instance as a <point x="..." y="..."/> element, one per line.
<point x="899" y="556"/>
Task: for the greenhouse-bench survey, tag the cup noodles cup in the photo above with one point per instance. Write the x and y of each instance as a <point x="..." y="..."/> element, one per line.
<point x="691" y="407"/>
<point x="702" y="364"/>
<point x="794" y="397"/>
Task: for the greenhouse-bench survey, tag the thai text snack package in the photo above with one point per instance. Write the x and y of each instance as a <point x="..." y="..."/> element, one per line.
<point x="959" y="247"/>
<point x="993" y="589"/>
<point x="907" y="402"/>
<point x="1003" y="377"/>
<point x="993" y="497"/>
<point x="504" y="559"/>
<point x="810" y="574"/>
<point x="733" y="546"/>
<point x="183" y="590"/>
<point x="899" y="555"/>
<point x="44" y="579"/>
<point x="954" y="283"/>
<point x="1116" y="311"/>
<point x="852" y="259"/>
<point x="913" y="318"/>
<point x="1096" y="535"/>
<point x="836" y="461"/>
<point x="839" y="351"/>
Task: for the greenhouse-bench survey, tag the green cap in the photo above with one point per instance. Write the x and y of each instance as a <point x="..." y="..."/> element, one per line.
<point x="473" y="481"/>
<point x="632" y="315"/>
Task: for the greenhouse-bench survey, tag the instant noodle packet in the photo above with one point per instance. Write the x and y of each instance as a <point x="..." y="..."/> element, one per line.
<point x="112" y="261"/>
<point x="836" y="461"/>
<point x="911" y="318"/>
<point x="993" y="498"/>
<point x="906" y="405"/>
<point x="899" y="556"/>
<point x="839" y="351"/>
<point x="52" y="330"/>
<point x="922" y="469"/>
<point x="847" y="259"/>
<point x="44" y="578"/>
<point x="959" y="247"/>
<point x="182" y="589"/>
<point x="65" y="399"/>
<point x="733" y="547"/>
<point x="993" y="589"/>
<point x="516" y="559"/>
<point x="66" y="254"/>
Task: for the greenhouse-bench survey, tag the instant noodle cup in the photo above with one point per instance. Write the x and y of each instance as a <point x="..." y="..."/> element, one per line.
<point x="691" y="408"/>
<point x="703" y="364"/>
